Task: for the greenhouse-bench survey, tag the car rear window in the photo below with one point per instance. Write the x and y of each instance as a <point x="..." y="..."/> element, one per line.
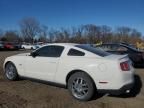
<point x="93" y="50"/>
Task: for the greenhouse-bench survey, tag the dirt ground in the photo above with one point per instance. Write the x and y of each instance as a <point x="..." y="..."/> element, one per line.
<point x="30" y="94"/>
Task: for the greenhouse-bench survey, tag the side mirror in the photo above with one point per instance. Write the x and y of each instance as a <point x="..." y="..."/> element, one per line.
<point x="33" y="54"/>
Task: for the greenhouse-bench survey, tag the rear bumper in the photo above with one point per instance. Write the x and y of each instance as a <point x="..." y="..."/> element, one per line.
<point x="122" y="90"/>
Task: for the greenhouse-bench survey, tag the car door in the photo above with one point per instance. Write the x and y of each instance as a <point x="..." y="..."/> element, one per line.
<point x="44" y="64"/>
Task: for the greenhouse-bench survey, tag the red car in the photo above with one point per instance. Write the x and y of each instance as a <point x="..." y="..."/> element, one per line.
<point x="8" y="46"/>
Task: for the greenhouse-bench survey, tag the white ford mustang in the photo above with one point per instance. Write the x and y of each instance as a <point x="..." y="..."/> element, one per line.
<point x="84" y="70"/>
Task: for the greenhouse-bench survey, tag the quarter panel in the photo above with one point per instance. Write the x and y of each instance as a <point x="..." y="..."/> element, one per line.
<point x="67" y="64"/>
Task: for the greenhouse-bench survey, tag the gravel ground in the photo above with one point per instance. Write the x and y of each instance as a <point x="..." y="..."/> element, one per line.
<point x="30" y="94"/>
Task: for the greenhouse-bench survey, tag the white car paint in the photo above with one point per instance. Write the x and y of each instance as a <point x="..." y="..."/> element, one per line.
<point x="28" y="46"/>
<point x="55" y="69"/>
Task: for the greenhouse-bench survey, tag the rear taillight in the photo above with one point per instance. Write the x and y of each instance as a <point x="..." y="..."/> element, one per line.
<point x="125" y="66"/>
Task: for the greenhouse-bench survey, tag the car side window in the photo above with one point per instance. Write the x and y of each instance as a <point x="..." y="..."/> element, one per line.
<point x="74" y="52"/>
<point x="50" y="51"/>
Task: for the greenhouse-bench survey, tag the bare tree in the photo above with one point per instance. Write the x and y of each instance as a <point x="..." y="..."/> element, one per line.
<point x="11" y="36"/>
<point x="52" y="35"/>
<point x="123" y="34"/>
<point x="92" y="32"/>
<point x="65" y="34"/>
<point x="77" y="35"/>
<point x="135" y="36"/>
<point x="43" y="33"/>
<point x="30" y="27"/>
<point x="106" y="33"/>
<point x="1" y="34"/>
<point x="61" y="35"/>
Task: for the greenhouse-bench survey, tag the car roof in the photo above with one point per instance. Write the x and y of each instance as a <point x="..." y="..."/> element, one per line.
<point x="62" y="44"/>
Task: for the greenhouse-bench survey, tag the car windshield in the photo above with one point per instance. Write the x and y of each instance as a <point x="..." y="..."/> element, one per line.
<point x="93" y="50"/>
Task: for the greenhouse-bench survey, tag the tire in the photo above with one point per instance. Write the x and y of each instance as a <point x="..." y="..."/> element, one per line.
<point x="32" y="48"/>
<point x="11" y="72"/>
<point x="81" y="86"/>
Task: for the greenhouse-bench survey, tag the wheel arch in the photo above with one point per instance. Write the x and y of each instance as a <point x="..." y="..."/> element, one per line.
<point x="75" y="71"/>
<point x="7" y="63"/>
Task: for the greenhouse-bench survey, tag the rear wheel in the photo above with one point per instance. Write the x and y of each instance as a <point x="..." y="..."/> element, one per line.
<point x="11" y="71"/>
<point x="81" y="86"/>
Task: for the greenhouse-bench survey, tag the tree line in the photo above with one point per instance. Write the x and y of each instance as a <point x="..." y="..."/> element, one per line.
<point x="31" y="31"/>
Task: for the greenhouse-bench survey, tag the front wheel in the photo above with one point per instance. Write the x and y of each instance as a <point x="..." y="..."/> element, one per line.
<point x="11" y="71"/>
<point x="81" y="86"/>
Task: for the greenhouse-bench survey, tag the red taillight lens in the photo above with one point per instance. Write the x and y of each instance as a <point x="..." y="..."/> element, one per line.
<point x="125" y="66"/>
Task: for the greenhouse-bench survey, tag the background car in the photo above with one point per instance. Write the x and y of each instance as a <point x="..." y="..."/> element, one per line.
<point x="11" y="46"/>
<point x="8" y="46"/>
<point x="28" y="46"/>
<point x="38" y="45"/>
<point x="136" y="56"/>
<point x="81" y="68"/>
<point x="1" y="45"/>
<point x="17" y="46"/>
